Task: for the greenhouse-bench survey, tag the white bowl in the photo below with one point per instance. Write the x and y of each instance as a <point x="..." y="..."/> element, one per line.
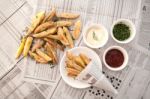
<point x="87" y="28"/>
<point x="124" y="54"/>
<point x="132" y="29"/>
<point x="77" y="50"/>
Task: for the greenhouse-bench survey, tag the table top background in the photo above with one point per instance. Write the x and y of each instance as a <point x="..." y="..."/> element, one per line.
<point x="132" y="83"/>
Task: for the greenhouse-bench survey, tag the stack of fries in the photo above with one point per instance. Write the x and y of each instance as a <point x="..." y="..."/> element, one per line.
<point x="75" y="64"/>
<point x="47" y="33"/>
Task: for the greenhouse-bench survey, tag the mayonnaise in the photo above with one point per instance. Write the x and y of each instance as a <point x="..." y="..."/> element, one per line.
<point x="96" y="36"/>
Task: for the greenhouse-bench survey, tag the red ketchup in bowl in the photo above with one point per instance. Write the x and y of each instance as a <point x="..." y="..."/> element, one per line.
<point x="114" y="58"/>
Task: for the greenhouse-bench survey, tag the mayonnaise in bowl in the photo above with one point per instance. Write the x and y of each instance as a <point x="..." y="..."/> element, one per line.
<point x="95" y="36"/>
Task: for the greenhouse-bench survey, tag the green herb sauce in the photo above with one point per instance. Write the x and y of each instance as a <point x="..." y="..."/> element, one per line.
<point x="121" y="31"/>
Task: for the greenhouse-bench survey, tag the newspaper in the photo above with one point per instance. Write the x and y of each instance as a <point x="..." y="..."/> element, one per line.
<point x="15" y="16"/>
<point x="12" y="86"/>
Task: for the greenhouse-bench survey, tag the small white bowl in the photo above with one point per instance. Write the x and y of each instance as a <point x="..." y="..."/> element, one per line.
<point x="131" y="27"/>
<point x="124" y="54"/>
<point x="85" y="32"/>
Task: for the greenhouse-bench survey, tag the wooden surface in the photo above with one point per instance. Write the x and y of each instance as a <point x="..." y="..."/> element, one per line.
<point x="132" y="83"/>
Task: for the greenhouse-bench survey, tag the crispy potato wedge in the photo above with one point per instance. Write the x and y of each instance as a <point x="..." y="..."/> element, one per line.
<point x="63" y="23"/>
<point x="70" y="55"/>
<point x="69" y="63"/>
<point x="85" y="59"/>
<point x="35" y="22"/>
<point x="62" y="37"/>
<point x="55" y="37"/>
<point x="50" y="16"/>
<point x="44" y="26"/>
<point x="53" y="53"/>
<point x="38" y="44"/>
<point x="71" y="75"/>
<point x="72" y="71"/>
<point x="37" y="58"/>
<point x="27" y="46"/>
<point x="21" y="47"/>
<point x="43" y="55"/>
<point x="79" y="61"/>
<point x="69" y="37"/>
<point x="45" y="33"/>
<point x="68" y="15"/>
<point x="77" y="30"/>
<point x="54" y="44"/>
<point x="77" y="67"/>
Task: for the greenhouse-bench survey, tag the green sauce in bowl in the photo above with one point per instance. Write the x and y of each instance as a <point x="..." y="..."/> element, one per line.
<point x="121" y="31"/>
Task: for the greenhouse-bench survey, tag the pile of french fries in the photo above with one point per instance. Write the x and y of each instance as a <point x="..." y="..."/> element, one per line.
<point x="75" y="64"/>
<point x="47" y="33"/>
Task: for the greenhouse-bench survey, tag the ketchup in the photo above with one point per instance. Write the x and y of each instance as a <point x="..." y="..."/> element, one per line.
<point x="114" y="58"/>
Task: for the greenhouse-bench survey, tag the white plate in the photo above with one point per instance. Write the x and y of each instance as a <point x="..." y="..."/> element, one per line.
<point x="77" y="50"/>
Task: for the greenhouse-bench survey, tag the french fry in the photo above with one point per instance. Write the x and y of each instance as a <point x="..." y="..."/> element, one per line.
<point x="72" y="71"/>
<point x="45" y="33"/>
<point x="79" y="61"/>
<point x="68" y="15"/>
<point x="55" y="37"/>
<point x="71" y="75"/>
<point x="44" y="26"/>
<point x="27" y="46"/>
<point x="53" y="53"/>
<point x="69" y="63"/>
<point x="70" y="55"/>
<point x="38" y="44"/>
<point x="64" y="23"/>
<point x="35" y="22"/>
<point x="77" y="67"/>
<point x="76" y="32"/>
<point x="41" y="60"/>
<point x="62" y="37"/>
<point x="68" y="36"/>
<point x="21" y="47"/>
<point x="85" y="59"/>
<point x="37" y="58"/>
<point x="43" y="55"/>
<point x="54" y="44"/>
<point x="50" y="16"/>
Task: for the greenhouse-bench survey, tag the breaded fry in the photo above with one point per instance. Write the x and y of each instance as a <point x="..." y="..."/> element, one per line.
<point x="21" y="47"/>
<point x="27" y="46"/>
<point x="85" y="59"/>
<point x="54" y="44"/>
<point x="70" y="55"/>
<point x="45" y="33"/>
<point x="68" y="15"/>
<point x="64" y="23"/>
<point x="44" y="26"/>
<point x="52" y="52"/>
<point x="41" y="60"/>
<point x="55" y="37"/>
<point x="69" y="63"/>
<point x="77" y="67"/>
<point x="37" y="58"/>
<point x="69" y="37"/>
<point x="38" y="44"/>
<point x="43" y="55"/>
<point x="72" y="71"/>
<point x="35" y="22"/>
<point x="50" y="16"/>
<point x="77" y="30"/>
<point x="79" y="61"/>
<point x="71" y="75"/>
<point x="62" y="37"/>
